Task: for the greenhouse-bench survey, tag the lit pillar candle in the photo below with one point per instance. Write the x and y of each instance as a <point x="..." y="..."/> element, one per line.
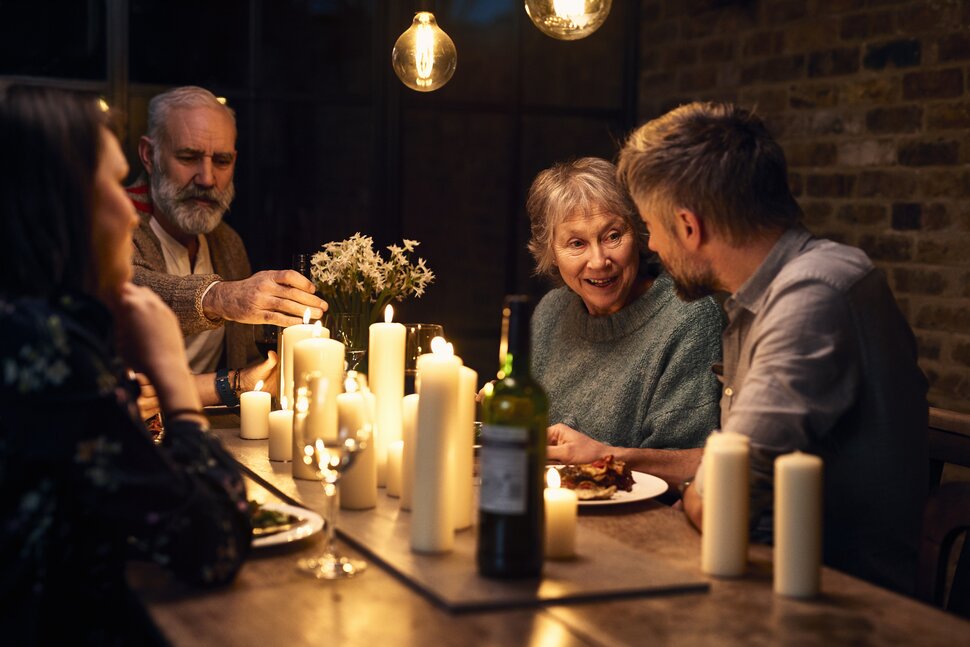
<point x="254" y="413"/>
<point x="464" y="457"/>
<point x="385" y="361"/>
<point x="432" y="509"/>
<point x="798" y="524"/>
<point x="281" y="434"/>
<point x="410" y="430"/>
<point x="358" y="486"/>
<point x="561" y="507"/>
<point x="394" y="454"/>
<point x="302" y="469"/>
<point x="292" y="335"/>
<point x="324" y="359"/>
<point x="724" y="538"/>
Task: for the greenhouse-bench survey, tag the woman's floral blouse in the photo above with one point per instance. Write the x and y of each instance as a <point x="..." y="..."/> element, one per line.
<point x="83" y="488"/>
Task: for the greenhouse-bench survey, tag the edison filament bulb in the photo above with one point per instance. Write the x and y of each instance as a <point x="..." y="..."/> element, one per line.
<point x="568" y="19"/>
<point x="424" y="56"/>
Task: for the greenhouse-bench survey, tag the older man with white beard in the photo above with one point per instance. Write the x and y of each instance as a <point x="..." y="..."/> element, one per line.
<point x="195" y="261"/>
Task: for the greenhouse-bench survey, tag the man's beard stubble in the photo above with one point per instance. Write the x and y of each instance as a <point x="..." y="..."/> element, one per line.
<point x="190" y="217"/>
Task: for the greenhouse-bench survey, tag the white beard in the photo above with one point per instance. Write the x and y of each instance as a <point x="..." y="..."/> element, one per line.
<point x="190" y="217"/>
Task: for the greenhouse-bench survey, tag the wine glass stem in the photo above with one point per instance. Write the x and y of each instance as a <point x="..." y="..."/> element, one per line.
<point x="330" y="490"/>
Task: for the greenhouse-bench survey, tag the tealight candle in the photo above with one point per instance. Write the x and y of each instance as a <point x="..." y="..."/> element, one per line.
<point x="254" y="413"/>
<point x="561" y="508"/>
<point x="281" y="433"/>
<point x="385" y="361"/>
<point x="394" y="453"/>
<point x="798" y="524"/>
<point x="724" y="536"/>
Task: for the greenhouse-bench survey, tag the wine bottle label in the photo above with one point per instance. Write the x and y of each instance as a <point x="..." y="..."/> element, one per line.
<point x="504" y="469"/>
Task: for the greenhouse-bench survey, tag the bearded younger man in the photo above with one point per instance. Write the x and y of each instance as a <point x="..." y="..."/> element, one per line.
<point x="817" y="356"/>
<point x="195" y="261"/>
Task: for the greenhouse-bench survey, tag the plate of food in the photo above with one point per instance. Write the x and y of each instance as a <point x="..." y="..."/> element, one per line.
<point x="608" y="481"/>
<point x="275" y="524"/>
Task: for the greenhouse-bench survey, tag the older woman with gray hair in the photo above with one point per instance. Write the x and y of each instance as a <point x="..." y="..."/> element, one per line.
<point x="625" y="363"/>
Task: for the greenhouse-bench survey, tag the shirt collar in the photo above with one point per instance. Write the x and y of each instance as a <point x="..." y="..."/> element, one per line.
<point x="787" y="247"/>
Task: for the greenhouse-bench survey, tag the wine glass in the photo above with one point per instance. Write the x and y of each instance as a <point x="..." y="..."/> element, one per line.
<point x="331" y="460"/>
<point x="417" y="342"/>
<point x="351" y="330"/>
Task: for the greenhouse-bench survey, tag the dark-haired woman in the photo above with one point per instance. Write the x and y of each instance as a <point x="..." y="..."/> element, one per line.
<point x="82" y="487"/>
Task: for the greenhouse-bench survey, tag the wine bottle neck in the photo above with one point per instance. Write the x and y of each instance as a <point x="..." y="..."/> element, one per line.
<point x="515" y="361"/>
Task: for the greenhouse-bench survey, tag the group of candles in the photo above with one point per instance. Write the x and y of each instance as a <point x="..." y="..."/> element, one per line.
<point x="422" y="444"/>
<point x="797" y="514"/>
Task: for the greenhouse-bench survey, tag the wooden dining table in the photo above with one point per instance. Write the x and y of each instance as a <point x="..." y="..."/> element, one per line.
<point x="271" y="603"/>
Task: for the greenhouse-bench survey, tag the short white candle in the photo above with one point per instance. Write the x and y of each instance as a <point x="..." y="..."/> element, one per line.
<point x="798" y="524"/>
<point x="410" y="425"/>
<point x="291" y="336"/>
<point x="254" y="409"/>
<point x="281" y="434"/>
<point x="358" y="487"/>
<point x="724" y="538"/>
<point x="464" y="446"/>
<point x="561" y="508"/>
<point x="394" y="452"/>
<point x="385" y="361"/>
<point x="432" y="509"/>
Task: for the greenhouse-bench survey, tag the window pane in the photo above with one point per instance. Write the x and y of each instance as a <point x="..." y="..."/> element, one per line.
<point x="69" y="42"/>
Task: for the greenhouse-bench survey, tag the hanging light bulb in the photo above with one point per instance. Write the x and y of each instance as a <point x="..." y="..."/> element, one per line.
<point x="568" y="19"/>
<point x="424" y="57"/>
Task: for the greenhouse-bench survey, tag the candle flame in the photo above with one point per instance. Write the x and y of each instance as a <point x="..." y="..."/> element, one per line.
<point x="350" y="385"/>
<point x="306" y="316"/>
<point x="317" y="328"/>
<point x="389" y="313"/>
<point x="259" y="386"/>
<point x="440" y="347"/>
<point x="283" y="402"/>
<point x="552" y="478"/>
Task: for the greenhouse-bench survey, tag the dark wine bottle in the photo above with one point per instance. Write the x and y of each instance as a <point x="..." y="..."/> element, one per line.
<point x="513" y="457"/>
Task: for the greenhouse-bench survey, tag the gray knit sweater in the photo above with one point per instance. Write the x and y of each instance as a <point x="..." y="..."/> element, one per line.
<point x="638" y="378"/>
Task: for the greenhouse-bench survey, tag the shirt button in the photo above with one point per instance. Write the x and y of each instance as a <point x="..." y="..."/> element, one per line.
<point x="728" y="392"/>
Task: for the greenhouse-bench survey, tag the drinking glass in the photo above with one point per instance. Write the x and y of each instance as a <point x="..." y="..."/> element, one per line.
<point x="417" y="342"/>
<point x="331" y="460"/>
<point x="266" y="337"/>
<point x="351" y="329"/>
<point x="301" y="263"/>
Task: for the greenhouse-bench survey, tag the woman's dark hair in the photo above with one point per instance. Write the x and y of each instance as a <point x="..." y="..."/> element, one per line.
<point x="50" y="144"/>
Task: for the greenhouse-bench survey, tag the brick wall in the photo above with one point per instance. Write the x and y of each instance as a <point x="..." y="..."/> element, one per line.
<point x="870" y="100"/>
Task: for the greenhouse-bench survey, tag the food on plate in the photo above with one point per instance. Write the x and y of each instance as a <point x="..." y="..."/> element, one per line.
<point x="597" y="480"/>
<point x="269" y="522"/>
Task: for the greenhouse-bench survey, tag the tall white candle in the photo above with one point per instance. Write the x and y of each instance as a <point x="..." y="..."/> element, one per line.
<point x="281" y="435"/>
<point x="321" y="358"/>
<point x="724" y="538"/>
<point x="561" y="508"/>
<point x="410" y="429"/>
<point x="358" y="486"/>
<point x="798" y="524"/>
<point x="254" y="409"/>
<point x="386" y="377"/>
<point x="432" y="509"/>
<point x="301" y="468"/>
<point x="394" y="468"/>
<point x="464" y="457"/>
<point x="292" y="335"/>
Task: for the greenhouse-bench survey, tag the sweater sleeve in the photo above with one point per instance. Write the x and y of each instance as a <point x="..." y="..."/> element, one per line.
<point x="685" y="405"/>
<point x="183" y="294"/>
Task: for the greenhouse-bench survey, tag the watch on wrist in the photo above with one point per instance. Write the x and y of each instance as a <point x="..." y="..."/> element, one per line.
<point x="224" y="388"/>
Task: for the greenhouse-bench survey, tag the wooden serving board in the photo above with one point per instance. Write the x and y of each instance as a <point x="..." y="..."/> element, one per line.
<point x="603" y="569"/>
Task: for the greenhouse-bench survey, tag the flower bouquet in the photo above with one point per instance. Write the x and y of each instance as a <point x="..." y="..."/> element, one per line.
<point x="357" y="283"/>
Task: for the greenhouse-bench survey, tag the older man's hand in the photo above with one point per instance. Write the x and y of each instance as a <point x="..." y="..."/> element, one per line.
<point x="566" y="445"/>
<point x="277" y="297"/>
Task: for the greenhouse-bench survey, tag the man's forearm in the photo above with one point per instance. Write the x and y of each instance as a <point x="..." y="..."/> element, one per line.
<point x="672" y="465"/>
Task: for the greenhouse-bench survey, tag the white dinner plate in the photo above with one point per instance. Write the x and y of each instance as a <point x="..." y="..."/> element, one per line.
<point x="645" y="486"/>
<point x="310" y="523"/>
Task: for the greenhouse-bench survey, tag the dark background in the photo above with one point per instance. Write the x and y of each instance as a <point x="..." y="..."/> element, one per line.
<point x="331" y="143"/>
